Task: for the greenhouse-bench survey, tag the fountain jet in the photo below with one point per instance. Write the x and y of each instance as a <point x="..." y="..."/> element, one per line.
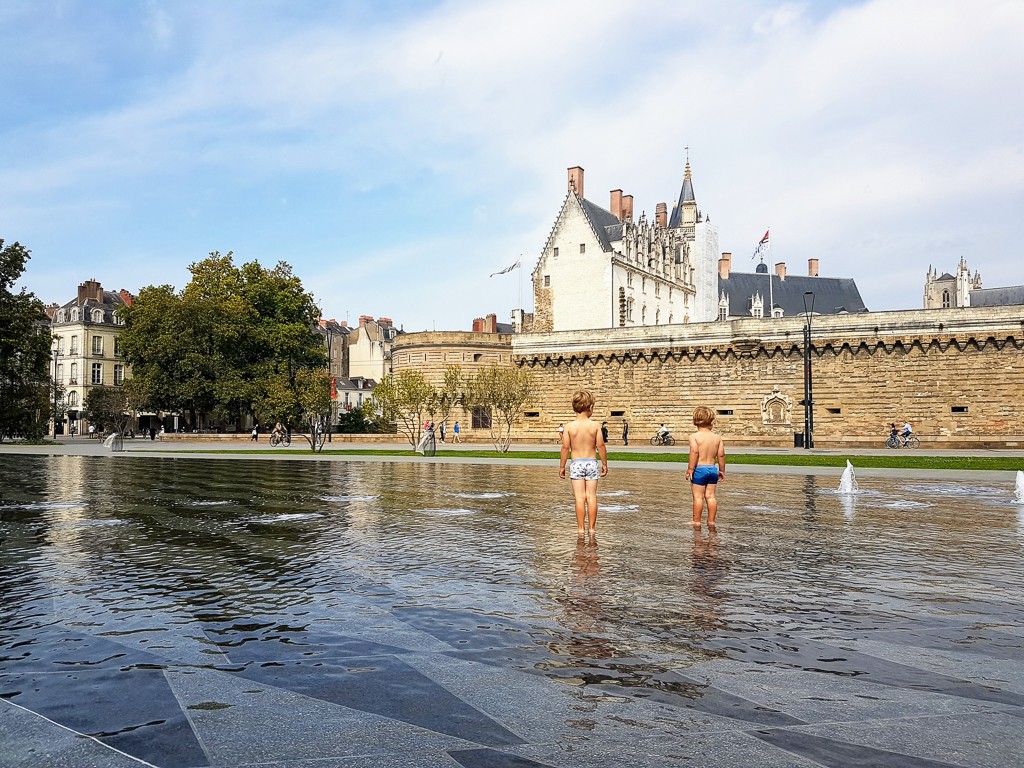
<point x="848" y="482"/>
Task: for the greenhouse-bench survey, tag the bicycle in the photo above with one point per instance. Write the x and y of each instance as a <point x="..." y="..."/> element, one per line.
<point x="896" y="441"/>
<point x="280" y="438"/>
<point x="663" y="439"/>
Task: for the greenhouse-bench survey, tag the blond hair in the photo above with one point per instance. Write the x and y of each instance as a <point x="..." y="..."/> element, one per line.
<point x="703" y="416"/>
<point x="582" y="401"/>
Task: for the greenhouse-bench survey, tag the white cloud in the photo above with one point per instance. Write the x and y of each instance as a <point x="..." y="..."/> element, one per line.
<point x="861" y="133"/>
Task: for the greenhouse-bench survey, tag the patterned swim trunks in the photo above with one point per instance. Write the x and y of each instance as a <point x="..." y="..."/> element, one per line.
<point x="584" y="469"/>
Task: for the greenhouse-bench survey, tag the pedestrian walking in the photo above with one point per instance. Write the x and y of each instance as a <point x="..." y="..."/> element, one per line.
<point x="625" y="432"/>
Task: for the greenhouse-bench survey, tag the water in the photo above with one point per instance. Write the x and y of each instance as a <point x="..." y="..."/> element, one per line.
<point x="848" y="482"/>
<point x="110" y="568"/>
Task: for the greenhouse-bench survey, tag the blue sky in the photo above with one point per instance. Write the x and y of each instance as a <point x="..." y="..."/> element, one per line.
<point x="397" y="153"/>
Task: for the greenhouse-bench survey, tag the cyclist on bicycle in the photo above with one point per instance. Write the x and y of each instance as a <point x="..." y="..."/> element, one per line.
<point x="906" y="431"/>
<point x="663" y="431"/>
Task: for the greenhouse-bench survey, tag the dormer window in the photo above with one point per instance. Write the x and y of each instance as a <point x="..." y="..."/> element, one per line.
<point x="74" y="315"/>
<point x="97" y="315"/>
<point x="61" y="315"/>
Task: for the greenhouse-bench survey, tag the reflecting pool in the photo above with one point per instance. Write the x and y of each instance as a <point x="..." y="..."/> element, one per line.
<point x="181" y="612"/>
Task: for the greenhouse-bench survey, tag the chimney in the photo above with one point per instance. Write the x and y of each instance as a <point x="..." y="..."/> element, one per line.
<point x="780" y="270"/>
<point x="90" y="289"/>
<point x="364" y="319"/>
<point x="478" y="325"/>
<point x="812" y="267"/>
<point x="724" y="266"/>
<point x="627" y="208"/>
<point x="616" y="208"/>
<point x="491" y="323"/>
<point x="384" y="322"/>
<point x="126" y="297"/>
<point x="661" y="215"/>
<point x="576" y="180"/>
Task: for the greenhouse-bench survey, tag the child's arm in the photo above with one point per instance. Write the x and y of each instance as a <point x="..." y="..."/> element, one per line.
<point x="721" y="460"/>
<point x="602" y="452"/>
<point x="564" y="455"/>
<point x="694" y="453"/>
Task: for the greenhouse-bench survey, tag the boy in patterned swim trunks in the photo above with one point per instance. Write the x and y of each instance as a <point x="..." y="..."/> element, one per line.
<point x="582" y="438"/>
<point x="707" y="465"/>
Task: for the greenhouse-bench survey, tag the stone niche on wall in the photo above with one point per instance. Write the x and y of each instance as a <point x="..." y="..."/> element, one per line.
<point x="777" y="409"/>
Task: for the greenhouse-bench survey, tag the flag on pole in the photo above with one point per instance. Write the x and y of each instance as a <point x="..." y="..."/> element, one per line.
<point x="761" y="245"/>
<point x="507" y="269"/>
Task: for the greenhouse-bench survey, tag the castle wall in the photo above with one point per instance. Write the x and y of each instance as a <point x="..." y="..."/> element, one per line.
<point x="957" y="375"/>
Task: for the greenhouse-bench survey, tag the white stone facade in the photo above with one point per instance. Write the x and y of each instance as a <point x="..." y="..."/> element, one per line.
<point x="600" y="269"/>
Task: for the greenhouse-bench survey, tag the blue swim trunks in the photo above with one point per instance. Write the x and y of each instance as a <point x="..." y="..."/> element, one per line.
<point x="705" y="474"/>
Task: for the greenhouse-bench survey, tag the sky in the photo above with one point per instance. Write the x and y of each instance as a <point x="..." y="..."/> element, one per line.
<point x="396" y="153"/>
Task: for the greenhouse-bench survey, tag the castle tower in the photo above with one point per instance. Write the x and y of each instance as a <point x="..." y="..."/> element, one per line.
<point x="684" y="213"/>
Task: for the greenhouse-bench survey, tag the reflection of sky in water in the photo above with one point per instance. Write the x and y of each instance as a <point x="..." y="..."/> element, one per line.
<point x="164" y="538"/>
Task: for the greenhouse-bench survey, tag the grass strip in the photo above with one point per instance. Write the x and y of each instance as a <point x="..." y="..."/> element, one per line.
<point x="905" y="460"/>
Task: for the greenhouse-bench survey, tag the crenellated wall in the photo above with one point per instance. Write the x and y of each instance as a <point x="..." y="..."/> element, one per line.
<point x="956" y="375"/>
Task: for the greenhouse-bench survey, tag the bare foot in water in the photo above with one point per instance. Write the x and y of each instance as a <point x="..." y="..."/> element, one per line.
<point x="695" y="523"/>
<point x="593" y="531"/>
<point x="581" y="532"/>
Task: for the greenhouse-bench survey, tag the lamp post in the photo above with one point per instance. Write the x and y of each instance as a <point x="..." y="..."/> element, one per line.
<point x="330" y="373"/>
<point x="808" y="401"/>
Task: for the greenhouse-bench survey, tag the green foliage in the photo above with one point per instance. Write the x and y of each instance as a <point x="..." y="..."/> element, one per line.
<point x="26" y="390"/>
<point x="313" y="395"/>
<point x="231" y="342"/>
<point x="504" y="391"/>
<point x="405" y="400"/>
<point x="362" y="420"/>
<point x="108" y="407"/>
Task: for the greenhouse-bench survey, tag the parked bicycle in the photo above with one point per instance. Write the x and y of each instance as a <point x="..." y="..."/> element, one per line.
<point x="897" y="440"/>
<point x="663" y="438"/>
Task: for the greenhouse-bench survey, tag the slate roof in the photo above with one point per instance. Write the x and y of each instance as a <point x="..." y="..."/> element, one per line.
<point x="998" y="297"/>
<point x="832" y="295"/>
<point x="606" y="224"/>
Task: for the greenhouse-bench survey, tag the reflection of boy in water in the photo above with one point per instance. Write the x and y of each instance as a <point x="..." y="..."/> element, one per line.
<point x="707" y="465"/>
<point x="582" y="438"/>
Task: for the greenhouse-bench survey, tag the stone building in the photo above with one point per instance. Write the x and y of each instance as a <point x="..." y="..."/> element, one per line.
<point x="85" y="348"/>
<point x="369" y="348"/>
<point x="748" y="294"/>
<point x="956" y="376"/>
<point x="601" y="269"/>
<point x="431" y="352"/>
<point x="964" y="290"/>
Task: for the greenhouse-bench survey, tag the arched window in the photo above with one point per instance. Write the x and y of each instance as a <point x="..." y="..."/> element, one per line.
<point x="97" y="315"/>
<point x="73" y="399"/>
<point x="945" y="299"/>
<point x="643" y="315"/>
<point x="74" y="315"/>
<point x="61" y="315"/>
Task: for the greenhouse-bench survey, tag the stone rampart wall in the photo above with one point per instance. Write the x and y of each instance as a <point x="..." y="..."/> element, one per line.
<point x="956" y="375"/>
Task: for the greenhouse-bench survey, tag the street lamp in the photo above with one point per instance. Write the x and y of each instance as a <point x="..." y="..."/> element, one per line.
<point x="330" y="373"/>
<point x="808" y="401"/>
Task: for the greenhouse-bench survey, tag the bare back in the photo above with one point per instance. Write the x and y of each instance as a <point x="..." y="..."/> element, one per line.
<point x="708" y="448"/>
<point x="582" y="437"/>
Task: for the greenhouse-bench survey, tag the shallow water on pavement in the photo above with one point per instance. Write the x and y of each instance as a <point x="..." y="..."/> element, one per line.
<point x="267" y="554"/>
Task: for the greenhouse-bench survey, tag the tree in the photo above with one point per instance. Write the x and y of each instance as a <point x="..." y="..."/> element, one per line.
<point x="405" y="400"/>
<point x="313" y="394"/>
<point x="502" y="391"/>
<point x="362" y="420"/>
<point x="231" y="342"/>
<point x="108" y="406"/>
<point x="446" y="396"/>
<point x="26" y="389"/>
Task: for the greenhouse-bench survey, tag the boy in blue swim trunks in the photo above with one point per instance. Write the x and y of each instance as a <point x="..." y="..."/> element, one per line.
<point x="582" y="438"/>
<point x="707" y="465"/>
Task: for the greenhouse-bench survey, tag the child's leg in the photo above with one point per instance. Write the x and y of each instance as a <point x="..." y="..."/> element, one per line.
<point x="579" y="490"/>
<point x="592" y="503"/>
<point x="698" y="502"/>
<point x="712" y="502"/>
